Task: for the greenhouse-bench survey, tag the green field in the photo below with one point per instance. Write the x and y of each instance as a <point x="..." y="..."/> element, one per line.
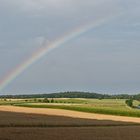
<point x="104" y="106"/>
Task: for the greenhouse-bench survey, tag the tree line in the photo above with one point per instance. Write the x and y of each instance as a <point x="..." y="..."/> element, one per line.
<point x="74" y="95"/>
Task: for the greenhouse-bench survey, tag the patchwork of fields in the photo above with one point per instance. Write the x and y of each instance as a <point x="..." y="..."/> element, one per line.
<point x="68" y="119"/>
<point x="104" y="106"/>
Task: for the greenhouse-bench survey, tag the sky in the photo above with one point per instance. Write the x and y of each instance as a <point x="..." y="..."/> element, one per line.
<point x="104" y="59"/>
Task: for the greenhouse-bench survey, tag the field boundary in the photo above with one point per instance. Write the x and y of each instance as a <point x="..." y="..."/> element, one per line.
<point x="51" y="126"/>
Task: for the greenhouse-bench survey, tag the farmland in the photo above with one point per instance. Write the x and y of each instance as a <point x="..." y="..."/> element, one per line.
<point x="68" y="118"/>
<point x="104" y="106"/>
<point x="22" y="123"/>
<point x="71" y="133"/>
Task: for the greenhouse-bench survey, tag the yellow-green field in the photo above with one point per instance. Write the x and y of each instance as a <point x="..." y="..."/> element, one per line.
<point x="104" y="106"/>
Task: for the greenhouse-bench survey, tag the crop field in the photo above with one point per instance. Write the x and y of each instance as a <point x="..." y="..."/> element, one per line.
<point x="71" y="133"/>
<point x="28" y="118"/>
<point x="33" y="126"/>
<point x="68" y="119"/>
<point x="104" y="106"/>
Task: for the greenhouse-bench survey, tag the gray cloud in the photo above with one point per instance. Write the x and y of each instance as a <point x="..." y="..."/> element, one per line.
<point x="104" y="59"/>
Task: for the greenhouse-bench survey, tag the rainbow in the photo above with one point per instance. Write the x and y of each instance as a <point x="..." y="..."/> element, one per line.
<point x="43" y="50"/>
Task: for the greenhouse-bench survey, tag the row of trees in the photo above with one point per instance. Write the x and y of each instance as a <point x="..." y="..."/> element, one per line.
<point x="75" y="95"/>
<point x="45" y="100"/>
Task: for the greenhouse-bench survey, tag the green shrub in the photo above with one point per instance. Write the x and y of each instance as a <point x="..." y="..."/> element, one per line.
<point x="129" y="102"/>
<point x="52" y="100"/>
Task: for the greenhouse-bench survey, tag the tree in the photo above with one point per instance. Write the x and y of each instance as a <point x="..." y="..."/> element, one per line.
<point x="46" y="100"/>
<point x="52" y="100"/>
<point x="129" y="102"/>
<point x="39" y="100"/>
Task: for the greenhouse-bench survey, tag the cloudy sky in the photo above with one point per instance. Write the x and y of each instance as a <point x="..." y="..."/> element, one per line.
<point x="104" y="59"/>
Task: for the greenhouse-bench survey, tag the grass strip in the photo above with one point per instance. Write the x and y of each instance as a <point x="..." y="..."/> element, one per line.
<point x="86" y="109"/>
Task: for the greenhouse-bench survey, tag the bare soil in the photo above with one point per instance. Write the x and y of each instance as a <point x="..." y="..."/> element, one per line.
<point x="71" y="133"/>
<point x="18" y="123"/>
<point x="68" y="113"/>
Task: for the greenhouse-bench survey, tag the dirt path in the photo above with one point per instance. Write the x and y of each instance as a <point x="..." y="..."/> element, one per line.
<point x="68" y="113"/>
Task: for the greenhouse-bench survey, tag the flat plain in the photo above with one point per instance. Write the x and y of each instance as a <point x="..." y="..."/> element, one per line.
<point x="15" y="126"/>
<point x="105" y="106"/>
<point x="42" y="123"/>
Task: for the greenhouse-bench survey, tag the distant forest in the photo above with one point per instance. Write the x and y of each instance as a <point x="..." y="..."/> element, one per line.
<point x="75" y="95"/>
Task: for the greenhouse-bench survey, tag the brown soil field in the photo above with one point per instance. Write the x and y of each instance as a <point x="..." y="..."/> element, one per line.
<point x="13" y="119"/>
<point x="71" y="133"/>
<point x="69" y="113"/>
<point x="20" y="124"/>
